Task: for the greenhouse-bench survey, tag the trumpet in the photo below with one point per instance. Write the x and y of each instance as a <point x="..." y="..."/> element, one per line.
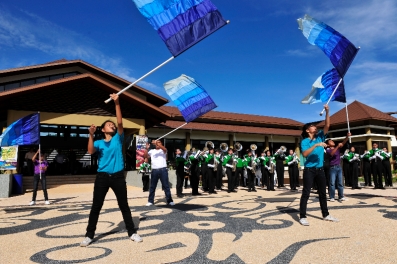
<point x="224" y="147"/>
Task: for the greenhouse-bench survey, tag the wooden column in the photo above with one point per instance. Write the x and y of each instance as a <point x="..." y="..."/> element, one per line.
<point x="231" y="140"/>
<point x="368" y="139"/>
<point x="267" y="142"/>
<point x="188" y="146"/>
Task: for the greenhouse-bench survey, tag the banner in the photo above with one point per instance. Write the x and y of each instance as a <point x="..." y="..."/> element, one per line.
<point x="9" y="158"/>
<point x="140" y="146"/>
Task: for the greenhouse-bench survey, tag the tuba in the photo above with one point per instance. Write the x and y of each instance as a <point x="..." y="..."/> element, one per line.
<point x="237" y="146"/>
<point x="253" y="147"/>
<point x="271" y="166"/>
<point x="224" y="147"/>
<point x="209" y="144"/>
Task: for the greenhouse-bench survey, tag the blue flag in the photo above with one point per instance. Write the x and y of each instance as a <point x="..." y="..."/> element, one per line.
<point x="25" y="131"/>
<point x="189" y="96"/>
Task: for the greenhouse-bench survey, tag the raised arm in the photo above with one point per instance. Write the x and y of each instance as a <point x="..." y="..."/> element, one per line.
<point x="90" y="148"/>
<point x="327" y="119"/>
<point x="119" y="117"/>
<point x="35" y="155"/>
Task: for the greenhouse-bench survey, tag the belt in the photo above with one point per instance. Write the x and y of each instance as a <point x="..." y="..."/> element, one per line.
<point x="118" y="174"/>
<point x="164" y="168"/>
<point x="314" y="168"/>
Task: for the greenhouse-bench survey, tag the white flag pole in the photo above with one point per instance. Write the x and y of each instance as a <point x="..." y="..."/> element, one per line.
<point x="172" y="131"/>
<point x="348" y="124"/>
<point x="40" y="160"/>
<point x="329" y="100"/>
<point x="140" y="79"/>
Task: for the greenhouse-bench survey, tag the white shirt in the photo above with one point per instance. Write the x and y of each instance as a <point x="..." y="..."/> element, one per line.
<point x="158" y="158"/>
<point x="29" y="155"/>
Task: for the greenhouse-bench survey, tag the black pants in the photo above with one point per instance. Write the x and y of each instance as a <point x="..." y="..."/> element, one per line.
<point x="204" y="177"/>
<point x="211" y="179"/>
<point x="387" y="172"/>
<point x="264" y="176"/>
<point x="311" y="175"/>
<point x="280" y="173"/>
<point x="219" y="176"/>
<point x="376" y="167"/>
<point x="367" y="173"/>
<point x="194" y="179"/>
<point x="36" y="179"/>
<point x="180" y="176"/>
<point x="326" y="172"/>
<point x="251" y="179"/>
<point x="270" y="180"/>
<point x="292" y="171"/>
<point x="239" y="176"/>
<point x="230" y="179"/>
<point x="347" y="173"/>
<point x="145" y="182"/>
<point x="354" y="173"/>
<point x="102" y="183"/>
<point x="30" y="167"/>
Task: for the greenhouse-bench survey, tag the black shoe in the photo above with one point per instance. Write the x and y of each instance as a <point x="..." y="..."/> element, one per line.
<point x="249" y="190"/>
<point x="180" y="196"/>
<point x="195" y="194"/>
<point x="254" y="190"/>
<point x="272" y="190"/>
<point x="214" y="192"/>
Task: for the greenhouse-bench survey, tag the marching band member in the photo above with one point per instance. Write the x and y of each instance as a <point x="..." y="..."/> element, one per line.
<point x="249" y="160"/>
<point x="270" y="163"/>
<point x="186" y="170"/>
<point x="219" y="170"/>
<point x="376" y="166"/>
<point x="262" y="161"/>
<point x="228" y="163"/>
<point x="366" y="168"/>
<point x="180" y="171"/>
<point x="346" y="168"/>
<point x="387" y="167"/>
<point x="354" y="159"/>
<point x="145" y="170"/>
<point x="239" y="173"/>
<point x="194" y="172"/>
<point x="210" y="170"/>
<point x="292" y="162"/>
<point x="204" y="170"/>
<point x="280" y="157"/>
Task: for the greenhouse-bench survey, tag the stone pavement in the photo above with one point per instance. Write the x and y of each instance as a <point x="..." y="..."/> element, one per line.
<point x="240" y="227"/>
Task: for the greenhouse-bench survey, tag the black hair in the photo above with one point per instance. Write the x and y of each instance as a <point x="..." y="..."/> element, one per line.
<point x="103" y="125"/>
<point x="304" y="128"/>
<point x="327" y="140"/>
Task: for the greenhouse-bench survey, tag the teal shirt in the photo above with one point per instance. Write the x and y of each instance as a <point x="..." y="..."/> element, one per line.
<point x="316" y="158"/>
<point x="110" y="154"/>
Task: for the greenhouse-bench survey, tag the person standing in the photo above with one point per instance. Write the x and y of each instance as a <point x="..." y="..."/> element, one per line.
<point x="180" y="171"/>
<point x="270" y="164"/>
<point x="387" y="167"/>
<point x="145" y="170"/>
<point x="354" y="160"/>
<point x="110" y="174"/>
<point x="249" y="161"/>
<point x="312" y="147"/>
<point x="366" y="168"/>
<point x="211" y="174"/>
<point x="158" y="160"/>
<point x="335" y="173"/>
<point x="228" y="163"/>
<point x="194" y="172"/>
<point x="280" y="157"/>
<point x="28" y="157"/>
<point x="346" y="169"/>
<point x="292" y="162"/>
<point x="376" y="166"/>
<point x="40" y="167"/>
<point x="262" y="161"/>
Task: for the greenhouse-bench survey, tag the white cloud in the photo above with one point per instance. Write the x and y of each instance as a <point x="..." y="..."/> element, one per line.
<point x="26" y="30"/>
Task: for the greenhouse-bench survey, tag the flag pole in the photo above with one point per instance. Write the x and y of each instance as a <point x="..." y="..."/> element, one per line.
<point x="348" y="125"/>
<point x="40" y="159"/>
<point x="143" y="77"/>
<point x="336" y="88"/>
<point x="172" y="131"/>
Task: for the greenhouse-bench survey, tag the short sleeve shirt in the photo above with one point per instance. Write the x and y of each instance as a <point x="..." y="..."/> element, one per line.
<point x="316" y="158"/>
<point x="40" y="166"/>
<point x="158" y="158"/>
<point x="110" y="154"/>
<point x="335" y="159"/>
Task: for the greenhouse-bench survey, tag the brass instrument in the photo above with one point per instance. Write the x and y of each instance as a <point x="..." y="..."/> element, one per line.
<point x="238" y="146"/>
<point x="253" y="147"/>
<point x="234" y="162"/>
<point x="209" y="144"/>
<point x="271" y="166"/>
<point x="224" y="147"/>
<point x="216" y="162"/>
<point x="253" y="165"/>
<point x="282" y="150"/>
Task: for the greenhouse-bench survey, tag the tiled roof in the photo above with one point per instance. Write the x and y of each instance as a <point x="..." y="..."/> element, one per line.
<point x="243" y="118"/>
<point x="152" y="97"/>
<point x="232" y="128"/>
<point x="358" y="112"/>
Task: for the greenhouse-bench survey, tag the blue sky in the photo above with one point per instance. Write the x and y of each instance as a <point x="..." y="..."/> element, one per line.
<point x="258" y="64"/>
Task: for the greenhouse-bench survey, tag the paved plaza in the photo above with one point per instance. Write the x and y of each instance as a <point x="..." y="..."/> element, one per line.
<point x="242" y="227"/>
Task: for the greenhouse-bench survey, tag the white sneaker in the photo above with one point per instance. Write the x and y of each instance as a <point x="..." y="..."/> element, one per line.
<point x="149" y="204"/>
<point x="47" y="202"/>
<point x="343" y="199"/>
<point x="171" y="203"/>
<point x="32" y="203"/>
<point x="86" y="242"/>
<point x="304" y="221"/>
<point x="332" y="200"/>
<point x="331" y="218"/>
<point x="135" y="237"/>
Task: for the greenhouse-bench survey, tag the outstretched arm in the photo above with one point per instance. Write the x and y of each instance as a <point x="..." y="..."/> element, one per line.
<point x="119" y="116"/>
<point x="327" y="119"/>
<point x="90" y="148"/>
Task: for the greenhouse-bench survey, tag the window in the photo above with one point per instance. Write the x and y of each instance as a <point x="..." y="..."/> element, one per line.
<point x="56" y="77"/>
<point x="28" y="82"/>
<point x="1" y="87"/>
<point x="11" y="86"/>
<point x="69" y="74"/>
<point x="42" y="79"/>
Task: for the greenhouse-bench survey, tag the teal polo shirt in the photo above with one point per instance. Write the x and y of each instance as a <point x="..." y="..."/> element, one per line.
<point x="110" y="154"/>
<point x="316" y="158"/>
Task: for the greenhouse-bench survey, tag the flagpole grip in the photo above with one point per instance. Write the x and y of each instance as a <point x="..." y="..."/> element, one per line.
<point x="329" y="100"/>
<point x="140" y="79"/>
